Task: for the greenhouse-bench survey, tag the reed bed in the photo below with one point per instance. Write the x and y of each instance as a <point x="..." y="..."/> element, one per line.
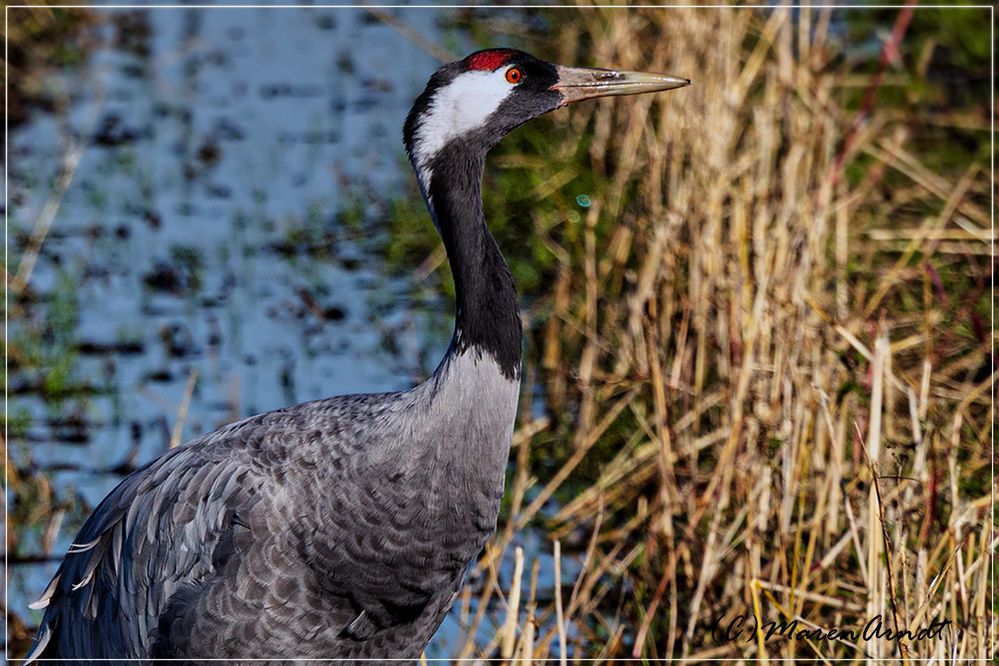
<point x="763" y="402"/>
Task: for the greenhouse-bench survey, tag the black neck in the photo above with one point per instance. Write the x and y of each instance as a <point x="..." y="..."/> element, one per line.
<point x="487" y="319"/>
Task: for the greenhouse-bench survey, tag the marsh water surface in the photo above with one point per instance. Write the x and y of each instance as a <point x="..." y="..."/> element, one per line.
<point x="208" y="259"/>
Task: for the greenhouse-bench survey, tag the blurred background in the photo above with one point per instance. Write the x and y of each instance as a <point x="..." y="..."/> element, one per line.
<point x="758" y="310"/>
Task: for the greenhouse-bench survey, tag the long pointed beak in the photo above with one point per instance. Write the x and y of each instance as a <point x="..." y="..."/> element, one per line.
<point x="579" y="83"/>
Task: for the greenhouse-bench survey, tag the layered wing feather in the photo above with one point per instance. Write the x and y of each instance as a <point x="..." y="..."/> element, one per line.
<point x="339" y="528"/>
<point x="167" y="528"/>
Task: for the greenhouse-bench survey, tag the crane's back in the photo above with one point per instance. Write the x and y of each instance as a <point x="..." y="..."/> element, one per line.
<point x="337" y="529"/>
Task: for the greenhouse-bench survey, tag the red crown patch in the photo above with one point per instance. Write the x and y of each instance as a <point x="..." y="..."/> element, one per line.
<point x="488" y="60"/>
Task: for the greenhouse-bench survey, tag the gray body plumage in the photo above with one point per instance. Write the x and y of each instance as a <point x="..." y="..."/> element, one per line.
<point x="339" y="528"/>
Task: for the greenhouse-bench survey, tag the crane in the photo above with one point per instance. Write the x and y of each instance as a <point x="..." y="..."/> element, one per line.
<point x="340" y="528"/>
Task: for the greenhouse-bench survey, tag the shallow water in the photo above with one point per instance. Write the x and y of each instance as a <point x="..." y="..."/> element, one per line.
<point x="214" y="233"/>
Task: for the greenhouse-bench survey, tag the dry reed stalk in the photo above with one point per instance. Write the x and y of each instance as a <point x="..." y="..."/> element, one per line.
<point x="71" y="159"/>
<point x="513" y="606"/>
<point x="177" y="434"/>
<point x="559" y="612"/>
<point x="731" y="308"/>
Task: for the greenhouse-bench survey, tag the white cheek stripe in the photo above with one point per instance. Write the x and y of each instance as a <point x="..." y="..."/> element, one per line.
<point x="460" y="106"/>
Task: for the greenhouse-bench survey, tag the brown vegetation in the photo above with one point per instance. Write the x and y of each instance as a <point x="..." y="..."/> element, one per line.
<point x="770" y="403"/>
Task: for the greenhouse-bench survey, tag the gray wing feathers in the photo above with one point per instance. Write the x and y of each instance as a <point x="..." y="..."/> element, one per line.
<point x="320" y="530"/>
<point x="155" y="532"/>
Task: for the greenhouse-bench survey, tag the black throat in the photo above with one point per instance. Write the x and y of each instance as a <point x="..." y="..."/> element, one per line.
<point x="487" y="319"/>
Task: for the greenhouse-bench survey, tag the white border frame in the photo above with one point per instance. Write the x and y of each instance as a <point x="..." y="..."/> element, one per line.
<point x="6" y="172"/>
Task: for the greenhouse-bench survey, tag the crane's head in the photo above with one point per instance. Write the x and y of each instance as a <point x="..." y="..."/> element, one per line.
<point x="477" y="100"/>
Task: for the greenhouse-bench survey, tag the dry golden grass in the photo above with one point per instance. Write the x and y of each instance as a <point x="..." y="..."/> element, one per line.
<point x="800" y="431"/>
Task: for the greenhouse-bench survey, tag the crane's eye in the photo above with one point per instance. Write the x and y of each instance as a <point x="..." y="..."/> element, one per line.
<point x="514" y="75"/>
